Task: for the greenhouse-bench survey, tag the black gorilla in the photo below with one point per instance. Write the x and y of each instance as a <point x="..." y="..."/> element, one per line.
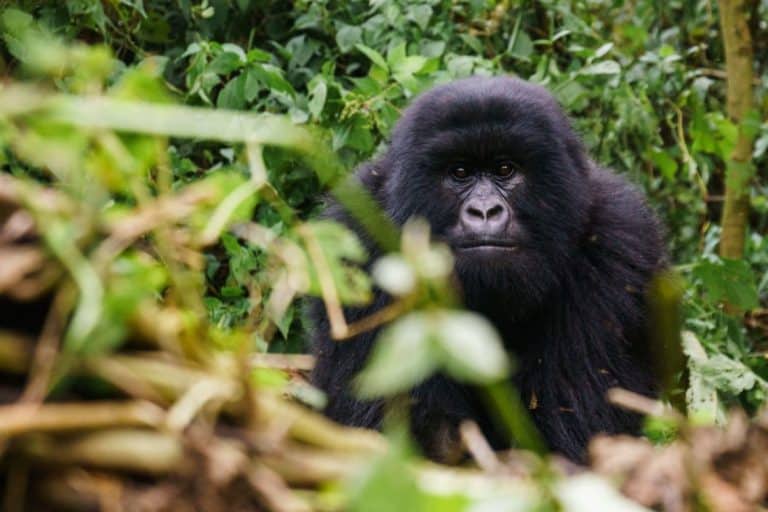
<point x="554" y="250"/>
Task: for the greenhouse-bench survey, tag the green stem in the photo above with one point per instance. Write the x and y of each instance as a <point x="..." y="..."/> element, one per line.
<point x="513" y="417"/>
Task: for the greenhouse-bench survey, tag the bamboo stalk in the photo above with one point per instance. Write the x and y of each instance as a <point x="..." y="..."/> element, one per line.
<point x="138" y="451"/>
<point x="298" y="362"/>
<point x="309" y="467"/>
<point x="317" y="430"/>
<point x="278" y="496"/>
<point x="24" y="418"/>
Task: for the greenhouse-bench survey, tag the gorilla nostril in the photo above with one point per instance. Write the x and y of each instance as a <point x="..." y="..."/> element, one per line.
<point x="494" y="211"/>
<point x="476" y="212"/>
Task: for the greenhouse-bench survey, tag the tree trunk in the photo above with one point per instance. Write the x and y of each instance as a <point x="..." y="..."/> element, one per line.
<point x="739" y="169"/>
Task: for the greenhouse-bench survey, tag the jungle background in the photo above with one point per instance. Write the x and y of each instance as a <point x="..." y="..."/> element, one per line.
<point x="163" y="163"/>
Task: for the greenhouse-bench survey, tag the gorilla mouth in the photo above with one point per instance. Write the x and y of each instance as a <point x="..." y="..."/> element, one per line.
<point x="486" y="244"/>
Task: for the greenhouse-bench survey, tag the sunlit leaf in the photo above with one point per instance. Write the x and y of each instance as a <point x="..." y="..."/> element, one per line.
<point x="606" y="67"/>
<point x="404" y="356"/>
<point x="375" y="56"/>
<point x="471" y="348"/>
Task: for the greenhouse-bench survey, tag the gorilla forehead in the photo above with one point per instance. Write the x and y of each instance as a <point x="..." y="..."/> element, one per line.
<point x="482" y="115"/>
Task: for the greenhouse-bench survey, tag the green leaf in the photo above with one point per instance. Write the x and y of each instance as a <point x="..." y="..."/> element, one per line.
<point x="473" y="42"/>
<point x="701" y="396"/>
<point x="133" y="278"/>
<point x="373" y="55"/>
<point x="606" y="67"/>
<point x="431" y="49"/>
<point x="270" y="378"/>
<point x="396" y="54"/>
<point x="730" y="281"/>
<point x="389" y="482"/>
<point x="419" y="14"/>
<point x="225" y="63"/>
<point x="348" y="36"/>
<point x="408" y="66"/>
<point x="471" y="348"/>
<point x="233" y="48"/>
<point x="219" y="186"/>
<point x="268" y="76"/>
<point x="603" y="50"/>
<point x="460" y="66"/>
<point x="340" y="247"/>
<point x="571" y="95"/>
<point x="666" y="164"/>
<point x="317" y="97"/>
<point x="402" y="358"/>
<point x="394" y="275"/>
<point x="521" y="46"/>
<point x="60" y="239"/>
<point x="338" y="240"/>
<point x="232" y="96"/>
<point x="728" y="375"/>
<point x="192" y="49"/>
<point x="257" y="55"/>
<point x="359" y="136"/>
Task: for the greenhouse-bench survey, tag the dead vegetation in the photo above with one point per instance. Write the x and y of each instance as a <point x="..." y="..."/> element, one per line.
<point x="168" y="423"/>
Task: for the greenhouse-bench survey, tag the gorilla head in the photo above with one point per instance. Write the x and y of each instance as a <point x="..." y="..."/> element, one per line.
<point x="494" y="166"/>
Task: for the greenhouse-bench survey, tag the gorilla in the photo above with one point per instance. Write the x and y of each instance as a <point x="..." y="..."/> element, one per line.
<point x="554" y="250"/>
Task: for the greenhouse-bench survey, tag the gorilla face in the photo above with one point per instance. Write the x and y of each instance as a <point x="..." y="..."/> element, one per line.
<point x="494" y="166"/>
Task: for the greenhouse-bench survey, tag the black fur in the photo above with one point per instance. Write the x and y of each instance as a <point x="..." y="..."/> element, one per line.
<point x="569" y="303"/>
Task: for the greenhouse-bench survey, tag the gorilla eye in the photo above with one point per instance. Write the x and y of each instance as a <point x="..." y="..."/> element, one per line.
<point x="459" y="172"/>
<point x="506" y="169"/>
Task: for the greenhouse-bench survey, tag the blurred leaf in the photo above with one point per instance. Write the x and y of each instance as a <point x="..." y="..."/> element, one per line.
<point x="572" y="95"/>
<point x="420" y="14"/>
<point x="232" y="96"/>
<point x="521" y="46"/>
<point x="60" y="238"/>
<point x="394" y="275"/>
<point x="373" y="55"/>
<point x="578" y="494"/>
<point x="701" y="397"/>
<point x="388" y="482"/>
<point x="270" y="76"/>
<point x="223" y="196"/>
<point x="729" y="375"/>
<point x="606" y="67"/>
<point x="463" y="344"/>
<point x="318" y="94"/>
<point x="340" y="246"/>
<point x="348" y="36"/>
<point x="666" y="164"/>
<point x="471" y="349"/>
<point x="730" y="281"/>
<point x="225" y="63"/>
<point x="404" y="355"/>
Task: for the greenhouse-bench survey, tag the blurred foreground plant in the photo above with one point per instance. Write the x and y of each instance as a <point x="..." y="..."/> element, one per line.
<point x="109" y="365"/>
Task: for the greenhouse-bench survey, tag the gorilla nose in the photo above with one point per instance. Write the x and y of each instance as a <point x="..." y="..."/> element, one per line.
<point x="485" y="216"/>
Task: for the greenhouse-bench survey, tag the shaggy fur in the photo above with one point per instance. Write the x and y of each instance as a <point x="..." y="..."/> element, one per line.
<point x="569" y="302"/>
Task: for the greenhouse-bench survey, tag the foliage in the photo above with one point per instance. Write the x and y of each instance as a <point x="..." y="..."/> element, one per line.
<point x="641" y="81"/>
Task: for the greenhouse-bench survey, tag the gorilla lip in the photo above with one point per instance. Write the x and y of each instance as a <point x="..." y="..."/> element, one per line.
<point x="482" y="244"/>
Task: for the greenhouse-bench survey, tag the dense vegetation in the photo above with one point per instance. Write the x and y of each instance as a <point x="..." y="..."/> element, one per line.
<point x="134" y="194"/>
